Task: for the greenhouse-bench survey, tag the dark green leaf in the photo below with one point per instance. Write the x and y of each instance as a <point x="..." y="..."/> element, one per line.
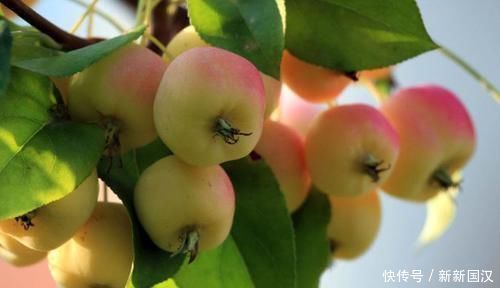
<point x="219" y="268"/>
<point x="250" y="28"/>
<point x="5" y="48"/>
<point x="262" y="227"/>
<point x="40" y="160"/>
<point x="354" y="35"/>
<point x="151" y="264"/>
<point x="313" y="252"/>
<point x="75" y="61"/>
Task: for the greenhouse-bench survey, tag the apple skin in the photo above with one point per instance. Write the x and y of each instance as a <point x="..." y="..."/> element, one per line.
<point x="313" y="83"/>
<point x="436" y="132"/>
<point x="188" y="38"/>
<point x="354" y="224"/>
<point x="200" y="87"/>
<point x="100" y="254"/>
<point x="338" y="144"/>
<point x="296" y="112"/>
<point x="283" y="150"/>
<point x="375" y="74"/>
<point x="197" y="199"/>
<point x="16" y="253"/>
<point x="57" y="221"/>
<point x="120" y="89"/>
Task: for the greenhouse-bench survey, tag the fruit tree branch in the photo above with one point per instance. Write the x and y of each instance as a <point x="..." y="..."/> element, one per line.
<point x="67" y="40"/>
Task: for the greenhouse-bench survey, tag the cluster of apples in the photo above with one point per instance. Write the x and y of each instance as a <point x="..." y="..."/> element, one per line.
<point x="210" y="106"/>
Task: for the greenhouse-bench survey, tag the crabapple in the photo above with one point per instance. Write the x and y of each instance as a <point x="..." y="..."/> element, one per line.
<point x="283" y="150"/>
<point x="354" y="224"/>
<point x="16" y="253"/>
<point x="210" y="106"/>
<point x="195" y="211"/>
<point x="375" y="74"/>
<point x="297" y="112"/>
<point x="100" y="254"/>
<point x="188" y="38"/>
<point x="312" y="83"/>
<point x="49" y="226"/>
<point x="118" y="93"/>
<point x="350" y="150"/>
<point x="437" y="140"/>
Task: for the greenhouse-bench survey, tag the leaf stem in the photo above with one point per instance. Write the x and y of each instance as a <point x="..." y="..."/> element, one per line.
<point x="473" y="72"/>
<point x="67" y="40"/>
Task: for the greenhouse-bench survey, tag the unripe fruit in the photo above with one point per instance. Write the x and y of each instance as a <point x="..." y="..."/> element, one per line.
<point x="188" y="38"/>
<point x="49" y="226"/>
<point x="195" y="211"/>
<point x="118" y="93"/>
<point x="283" y="150"/>
<point x="100" y="254"/>
<point x="354" y="224"/>
<point x="210" y="106"/>
<point x="437" y="140"/>
<point x="350" y="150"/>
<point x="16" y="253"/>
<point x="313" y="83"/>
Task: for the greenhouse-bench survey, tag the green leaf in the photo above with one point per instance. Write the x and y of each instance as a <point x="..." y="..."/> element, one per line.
<point x="313" y="253"/>
<point x="219" y="268"/>
<point x="151" y="264"/>
<point x="250" y="28"/>
<point x="262" y="227"/>
<point x="40" y="160"/>
<point x="353" y="35"/>
<point x="75" y="61"/>
<point x="5" y="48"/>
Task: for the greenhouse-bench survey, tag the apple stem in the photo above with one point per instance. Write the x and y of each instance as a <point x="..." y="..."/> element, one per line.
<point x="373" y="167"/>
<point x="115" y="23"/>
<point x="25" y="219"/>
<point x="445" y="181"/>
<point x="230" y="135"/>
<point x="473" y="72"/>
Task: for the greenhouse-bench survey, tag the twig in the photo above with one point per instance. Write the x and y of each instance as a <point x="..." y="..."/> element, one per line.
<point x="67" y="40"/>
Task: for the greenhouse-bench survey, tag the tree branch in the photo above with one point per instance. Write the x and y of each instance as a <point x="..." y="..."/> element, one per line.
<point x="67" y="40"/>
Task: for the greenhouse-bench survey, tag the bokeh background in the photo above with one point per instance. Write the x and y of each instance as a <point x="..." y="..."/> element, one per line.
<point x="472" y="30"/>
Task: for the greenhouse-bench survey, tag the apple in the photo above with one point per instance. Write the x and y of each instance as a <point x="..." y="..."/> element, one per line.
<point x="350" y="150"/>
<point x="283" y="150"/>
<point x="312" y="83"/>
<point x="354" y="224"/>
<point x="49" y="226"/>
<point x="16" y="253"/>
<point x="100" y="254"/>
<point x="210" y="106"/>
<point x="437" y="140"/>
<point x="194" y="212"/>
<point x="118" y="93"/>
<point x="188" y="38"/>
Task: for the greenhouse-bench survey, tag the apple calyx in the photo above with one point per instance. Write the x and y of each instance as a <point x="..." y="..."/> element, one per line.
<point x="25" y="219"/>
<point x="373" y="167"/>
<point x="230" y="135"/>
<point x="190" y="244"/>
<point x="111" y="134"/>
<point x="444" y="180"/>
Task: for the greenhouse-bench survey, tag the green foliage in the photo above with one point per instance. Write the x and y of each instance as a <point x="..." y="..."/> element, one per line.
<point x="75" y="61"/>
<point x="221" y="268"/>
<point x="262" y="227"/>
<point x="250" y="28"/>
<point x="313" y="252"/>
<point x="42" y="159"/>
<point x="5" y="48"/>
<point x="353" y="35"/>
